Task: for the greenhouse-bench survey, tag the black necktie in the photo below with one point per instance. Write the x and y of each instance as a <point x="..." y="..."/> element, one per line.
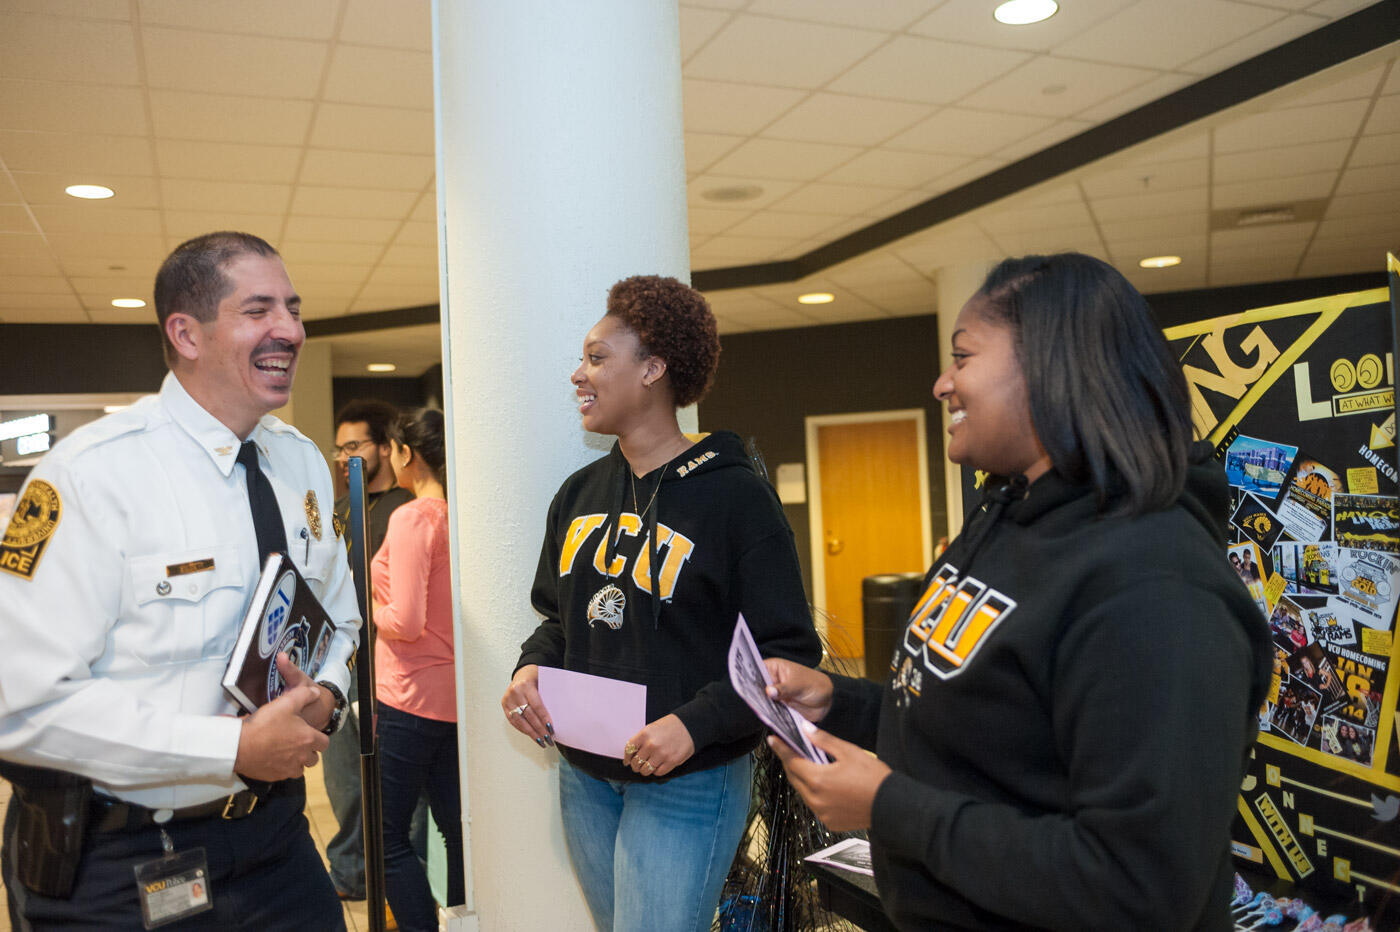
<point x="267" y="518"/>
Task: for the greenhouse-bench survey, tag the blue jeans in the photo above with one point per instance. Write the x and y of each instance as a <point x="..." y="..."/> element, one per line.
<point x="340" y="767"/>
<point x="418" y="755"/>
<point x="653" y="855"/>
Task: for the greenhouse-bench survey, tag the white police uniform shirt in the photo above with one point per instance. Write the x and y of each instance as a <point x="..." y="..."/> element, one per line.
<point x="126" y="568"/>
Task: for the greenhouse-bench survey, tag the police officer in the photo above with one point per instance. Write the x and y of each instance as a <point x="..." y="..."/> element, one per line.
<point x="124" y="573"/>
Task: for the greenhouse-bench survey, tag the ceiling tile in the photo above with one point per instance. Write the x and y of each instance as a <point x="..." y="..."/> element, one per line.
<point x="296" y="253"/>
<point x="1261" y="238"/>
<point x="1039" y="142"/>
<point x="380" y="77"/>
<point x="345" y="126"/>
<point x="968" y="21"/>
<point x="49" y="106"/>
<point x="113" y="285"/>
<point x="1338" y="8"/>
<point x="888" y="168"/>
<point x="1020" y="242"/>
<point x="342" y="168"/>
<point x="708" y="221"/>
<point x="1127" y="253"/>
<point x="1248" y="272"/>
<point x="876" y="268"/>
<point x="926" y="70"/>
<point x="1132" y="228"/>
<point x="1282" y="162"/>
<point x="305" y="19"/>
<point x="15" y="219"/>
<point x="960" y="176"/>
<point x="222" y="118"/>
<point x="957" y="131"/>
<point x="698" y="26"/>
<point x="1156" y="204"/>
<point x="1385" y="118"/>
<point x="1189" y="143"/>
<point x="16" y="266"/>
<point x="1146" y="34"/>
<point x="48" y="48"/>
<point x="352" y="202"/>
<point x="1368" y="179"/>
<point x="1143" y="179"/>
<point x="230" y="196"/>
<point x="1383" y="149"/>
<point x="1392" y="83"/>
<point x="1358" y="226"/>
<point x="340" y="230"/>
<point x="1295" y="125"/>
<point x="1245" y="47"/>
<point x="950" y="245"/>
<point x="704" y="149"/>
<point x="1360" y="205"/>
<point x="214" y="62"/>
<point x="73" y="314"/>
<point x="1155" y="281"/>
<point x="187" y="224"/>
<point x="1056" y="86"/>
<point x="779" y="224"/>
<point x="1133" y="98"/>
<point x="417" y="276"/>
<point x="840" y="118"/>
<point x="1323" y="89"/>
<point x="1069" y="215"/>
<point x="735" y="109"/>
<point x="86" y="9"/>
<point x="722" y="250"/>
<point x="390" y="297"/>
<point x="400" y="24"/>
<point x="10" y="301"/>
<point x="426" y="210"/>
<point x="417" y="233"/>
<point x="789" y="161"/>
<point x="887" y="15"/>
<point x="839" y="199"/>
<point x="780" y="52"/>
<point x="227" y="161"/>
<point x="901" y="298"/>
<point x="1320" y="264"/>
<point x="776" y="318"/>
<point x="60" y="219"/>
<point x="897" y="204"/>
<point x="73" y="153"/>
<point x="1266" y="192"/>
<point x="337" y="274"/>
<point x="46" y="188"/>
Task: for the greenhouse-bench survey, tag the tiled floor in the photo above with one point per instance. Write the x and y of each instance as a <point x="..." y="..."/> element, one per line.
<point x="323" y="826"/>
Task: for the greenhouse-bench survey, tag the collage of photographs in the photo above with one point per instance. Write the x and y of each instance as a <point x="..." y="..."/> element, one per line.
<point x="1319" y="549"/>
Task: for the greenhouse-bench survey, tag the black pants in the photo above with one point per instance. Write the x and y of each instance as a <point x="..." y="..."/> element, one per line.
<point x="264" y="873"/>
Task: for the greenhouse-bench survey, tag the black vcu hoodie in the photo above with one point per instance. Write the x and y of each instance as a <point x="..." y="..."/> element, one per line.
<point x="707" y="532"/>
<point x="1067" y="719"/>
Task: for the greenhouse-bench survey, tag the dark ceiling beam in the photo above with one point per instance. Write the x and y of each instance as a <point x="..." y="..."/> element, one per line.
<point x="1361" y="32"/>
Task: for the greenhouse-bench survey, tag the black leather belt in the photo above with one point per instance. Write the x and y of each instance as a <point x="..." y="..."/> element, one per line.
<point x="113" y="815"/>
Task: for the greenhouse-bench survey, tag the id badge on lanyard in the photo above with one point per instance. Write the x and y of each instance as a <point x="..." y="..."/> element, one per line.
<point x="175" y="885"/>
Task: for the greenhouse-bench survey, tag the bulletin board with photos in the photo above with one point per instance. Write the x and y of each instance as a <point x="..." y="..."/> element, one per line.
<point x="1299" y="400"/>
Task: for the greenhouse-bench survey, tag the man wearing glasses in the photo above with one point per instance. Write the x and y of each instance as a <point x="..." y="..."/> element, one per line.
<point x="361" y="429"/>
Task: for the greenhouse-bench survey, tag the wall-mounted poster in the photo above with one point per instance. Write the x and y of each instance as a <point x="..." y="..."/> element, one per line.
<point x="1299" y="401"/>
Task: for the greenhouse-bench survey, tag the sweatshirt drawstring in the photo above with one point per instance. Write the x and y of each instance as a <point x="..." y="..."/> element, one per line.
<point x="1012" y="490"/>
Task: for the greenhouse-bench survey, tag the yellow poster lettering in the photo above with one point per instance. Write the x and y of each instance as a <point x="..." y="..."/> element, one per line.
<point x="1229" y="378"/>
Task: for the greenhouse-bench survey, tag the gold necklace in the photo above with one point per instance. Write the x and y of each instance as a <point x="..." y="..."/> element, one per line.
<point x="644" y="511"/>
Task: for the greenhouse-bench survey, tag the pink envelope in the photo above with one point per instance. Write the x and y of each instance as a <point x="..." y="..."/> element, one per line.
<point x="593" y="713"/>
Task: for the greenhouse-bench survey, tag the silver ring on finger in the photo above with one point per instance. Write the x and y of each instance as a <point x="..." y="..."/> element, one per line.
<point x="520" y="709"/>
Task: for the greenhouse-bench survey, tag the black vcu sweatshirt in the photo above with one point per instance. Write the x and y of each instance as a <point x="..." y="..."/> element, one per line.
<point x="1067" y="719"/>
<point x="707" y="532"/>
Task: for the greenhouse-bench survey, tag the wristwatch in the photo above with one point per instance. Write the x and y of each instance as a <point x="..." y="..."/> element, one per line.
<point x="337" y="719"/>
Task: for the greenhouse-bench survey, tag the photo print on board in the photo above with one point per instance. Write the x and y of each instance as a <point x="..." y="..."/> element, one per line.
<point x="1308" y="569"/>
<point x="1296" y="710"/>
<point x="1246" y="559"/>
<point x="1256" y="521"/>
<point x="1258" y="465"/>
<point x="1367" y="522"/>
<point x="1306" y="509"/>
<point x="1348" y="740"/>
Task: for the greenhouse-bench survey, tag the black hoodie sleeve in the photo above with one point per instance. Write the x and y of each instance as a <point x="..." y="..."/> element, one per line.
<point x="1150" y="710"/>
<point x="545" y="646"/>
<point x="767" y="586"/>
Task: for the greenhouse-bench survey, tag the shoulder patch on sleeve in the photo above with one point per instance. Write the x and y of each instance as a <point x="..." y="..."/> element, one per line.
<point x="32" y="524"/>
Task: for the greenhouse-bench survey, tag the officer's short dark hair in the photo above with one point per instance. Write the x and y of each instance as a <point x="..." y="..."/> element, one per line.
<point x="192" y="281"/>
<point x="1108" y="399"/>
<point x="378" y="416"/>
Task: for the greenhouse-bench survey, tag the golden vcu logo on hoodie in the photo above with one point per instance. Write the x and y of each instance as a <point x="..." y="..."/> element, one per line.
<point x="673" y="549"/>
<point x="950" y="622"/>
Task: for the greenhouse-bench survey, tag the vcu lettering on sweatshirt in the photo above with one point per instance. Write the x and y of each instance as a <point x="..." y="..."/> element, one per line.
<point x="673" y="549"/>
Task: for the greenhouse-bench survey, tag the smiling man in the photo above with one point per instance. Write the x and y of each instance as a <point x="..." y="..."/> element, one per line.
<point x="124" y="573"/>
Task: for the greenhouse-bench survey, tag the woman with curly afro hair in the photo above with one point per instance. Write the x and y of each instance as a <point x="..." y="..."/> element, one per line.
<point x="650" y="555"/>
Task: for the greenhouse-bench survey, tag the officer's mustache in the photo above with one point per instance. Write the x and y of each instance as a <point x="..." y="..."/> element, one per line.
<point x="269" y="347"/>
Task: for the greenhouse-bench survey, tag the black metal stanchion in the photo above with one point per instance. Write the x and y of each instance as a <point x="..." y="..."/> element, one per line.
<point x="371" y="803"/>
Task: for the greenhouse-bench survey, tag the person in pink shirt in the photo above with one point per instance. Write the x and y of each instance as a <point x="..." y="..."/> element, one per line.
<point x="417" y="699"/>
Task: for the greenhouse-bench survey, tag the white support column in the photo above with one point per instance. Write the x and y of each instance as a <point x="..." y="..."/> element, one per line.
<point x="561" y="169"/>
<point x="955" y="285"/>
<point x="309" y="409"/>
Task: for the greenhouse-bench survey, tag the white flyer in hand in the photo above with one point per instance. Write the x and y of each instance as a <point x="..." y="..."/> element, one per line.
<point x="852" y="855"/>
<point x="751" y="681"/>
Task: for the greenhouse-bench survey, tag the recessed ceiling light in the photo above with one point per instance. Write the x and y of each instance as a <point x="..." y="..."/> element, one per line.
<point x="112" y="409"/>
<point x="128" y="302"/>
<point x="381" y="367"/>
<point x="91" y="192"/>
<point x="1159" y="262"/>
<point x="731" y="193"/>
<point x="1025" y="12"/>
<point x="816" y="297"/>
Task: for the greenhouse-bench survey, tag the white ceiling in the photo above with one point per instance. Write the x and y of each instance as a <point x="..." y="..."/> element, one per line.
<point x="311" y="124"/>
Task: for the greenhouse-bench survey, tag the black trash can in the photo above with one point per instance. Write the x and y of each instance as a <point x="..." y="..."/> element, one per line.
<point x="886" y="601"/>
